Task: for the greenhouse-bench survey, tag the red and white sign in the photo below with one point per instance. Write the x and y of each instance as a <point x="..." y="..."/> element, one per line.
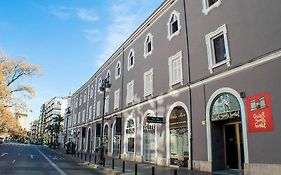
<point x="259" y="109"/>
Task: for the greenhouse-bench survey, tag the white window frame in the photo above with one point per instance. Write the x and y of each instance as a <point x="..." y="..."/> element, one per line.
<point x="83" y="115"/>
<point x="210" y="48"/>
<point x="173" y="58"/>
<point x="148" y="90"/>
<point x="91" y="91"/>
<point x="116" y="70"/>
<point x="85" y="97"/>
<point x="130" y="92"/>
<point x="108" y="74"/>
<point x="98" y="109"/>
<point x="90" y="112"/>
<point x="80" y="99"/>
<point x="146" y="53"/>
<point x="106" y="104"/>
<point x="132" y="52"/>
<point x="79" y="117"/>
<point x="169" y="25"/>
<point x="116" y="99"/>
<point x="206" y="8"/>
<point x="99" y="85"/>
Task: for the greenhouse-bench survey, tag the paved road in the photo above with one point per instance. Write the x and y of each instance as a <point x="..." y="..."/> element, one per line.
<point x="24" y="159"/>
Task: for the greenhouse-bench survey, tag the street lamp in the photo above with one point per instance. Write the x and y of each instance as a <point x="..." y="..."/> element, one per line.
<point x="104" y="85"/>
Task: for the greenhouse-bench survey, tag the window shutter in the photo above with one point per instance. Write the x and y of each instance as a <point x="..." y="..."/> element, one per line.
<point x="170" y="73"/>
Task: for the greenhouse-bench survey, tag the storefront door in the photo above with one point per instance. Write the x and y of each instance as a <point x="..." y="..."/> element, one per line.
<point x="233" y="146"/>
<point x="179" y="147"/>
<point x="149" y="145"/>
<point x="116" y="146"/>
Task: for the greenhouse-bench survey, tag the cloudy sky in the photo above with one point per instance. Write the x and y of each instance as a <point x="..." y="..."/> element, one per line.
<point x="69" y="39"/>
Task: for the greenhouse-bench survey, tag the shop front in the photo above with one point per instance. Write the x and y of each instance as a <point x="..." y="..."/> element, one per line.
<point x="227" y="142"/>
<point x="148" y="140"/>
<point x="179" y="148"/>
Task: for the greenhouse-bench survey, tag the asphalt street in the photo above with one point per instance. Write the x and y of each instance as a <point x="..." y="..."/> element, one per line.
<point x="26" y="159"/>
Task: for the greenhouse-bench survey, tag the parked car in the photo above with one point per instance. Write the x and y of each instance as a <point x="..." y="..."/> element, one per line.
<point x="1" y="140"/>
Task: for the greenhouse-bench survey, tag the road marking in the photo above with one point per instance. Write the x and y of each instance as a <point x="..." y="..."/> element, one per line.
<point x="31" y="156"/>
<point x="13" y="161"/>
<point x="3" y="154"/>
<point x="52" y="163"/>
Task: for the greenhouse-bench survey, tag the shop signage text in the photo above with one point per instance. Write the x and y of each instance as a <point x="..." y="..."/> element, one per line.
<point x="154" y="119"/>
<point x="225" y="116"/>
<point x="259" y="109"/>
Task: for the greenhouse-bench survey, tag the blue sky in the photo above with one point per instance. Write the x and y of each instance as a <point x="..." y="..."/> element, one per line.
<point x="69" y="39"/>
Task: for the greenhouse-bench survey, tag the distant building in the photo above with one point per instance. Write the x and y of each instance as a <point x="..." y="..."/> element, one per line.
<point x="52" y="109"/>
<point x="34" y="131"/>
<point x="23" y="120"/>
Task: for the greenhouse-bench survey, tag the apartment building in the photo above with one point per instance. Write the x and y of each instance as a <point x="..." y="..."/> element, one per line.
<point x="52" y="109"/>
<point x="195" y="85"/>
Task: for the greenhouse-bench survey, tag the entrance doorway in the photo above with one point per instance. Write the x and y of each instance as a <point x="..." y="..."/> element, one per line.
<point x="227" y="137"/>
<point x="179" y="148"/>
<point x="116" y="143"/>
<point x="149" y="143"/>
<point x="234" y="153"/>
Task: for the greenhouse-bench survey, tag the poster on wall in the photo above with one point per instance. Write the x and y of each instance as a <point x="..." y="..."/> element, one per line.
<point x="259" y="109"/>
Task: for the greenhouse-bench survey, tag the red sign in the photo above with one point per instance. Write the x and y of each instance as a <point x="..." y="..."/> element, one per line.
<point x="259" y="109"/>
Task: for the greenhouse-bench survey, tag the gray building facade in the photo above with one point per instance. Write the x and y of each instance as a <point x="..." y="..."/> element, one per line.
<point x="208" y="72"/>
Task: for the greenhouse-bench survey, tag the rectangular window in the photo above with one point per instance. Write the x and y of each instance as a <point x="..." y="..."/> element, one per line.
<point x="116" y="99"/>
<point x="90" y="112"/>
<point x="79" y="117"/>
<point x="175" y="69"/>
<point x="80" y="99"/>
<point x="98" y="109"/>
<point x="211" y="2"/>
<point x="106" y="103"/>
<point x="209" y="5"/>
<point x="130" y="92"/>
<point x="131" y="144"/>
<point x="83" y="116"/>
<point x="148" y="82"/>
<point x="217" y="48"/>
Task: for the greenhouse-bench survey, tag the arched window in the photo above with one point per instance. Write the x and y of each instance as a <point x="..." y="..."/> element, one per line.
<point x="106" y="136"/>
<point x="174" y="25"/>
<point x="148" y="45"/>
<point x="118" y="70"/>
<point x="131" y="60"/>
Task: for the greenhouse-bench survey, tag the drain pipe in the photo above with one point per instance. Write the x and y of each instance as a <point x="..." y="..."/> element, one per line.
<point x="188" y="84"/>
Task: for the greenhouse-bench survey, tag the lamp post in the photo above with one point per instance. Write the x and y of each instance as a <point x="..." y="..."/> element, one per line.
<point x="104" y="85"/>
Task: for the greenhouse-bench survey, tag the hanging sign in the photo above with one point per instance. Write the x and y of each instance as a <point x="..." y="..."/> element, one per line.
<point x="154" y="119"/>
<point x="259" y="109"/>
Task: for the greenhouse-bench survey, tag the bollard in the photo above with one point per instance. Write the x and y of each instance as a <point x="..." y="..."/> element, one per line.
<point x="176" y="172"/>
<point x="81" y="155"/>
<point x="95" y="159"/>
<point x="85" y="156"/>
<point x="103" y="162"/>
<point x="113" y="163"/>
<point x="136" y="169"/>
<point x="153" y="170"/>
<point x="90" y="157"/>
<point x="123" y="166"/>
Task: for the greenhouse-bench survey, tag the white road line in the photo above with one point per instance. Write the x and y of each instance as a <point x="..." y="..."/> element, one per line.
<point x="3" y="154"/>
<point x="52" y="163"/>
<point x="13" y="161"/>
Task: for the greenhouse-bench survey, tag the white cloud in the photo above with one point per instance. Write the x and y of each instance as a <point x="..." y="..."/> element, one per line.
<point x="92" y="35"/>
<point x="87" y="15"/>
<point x="124" y="21"/>
<point x="65" y="13"/>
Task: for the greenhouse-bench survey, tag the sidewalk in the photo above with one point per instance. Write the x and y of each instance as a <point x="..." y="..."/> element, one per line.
<point x="142" y="168"/>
